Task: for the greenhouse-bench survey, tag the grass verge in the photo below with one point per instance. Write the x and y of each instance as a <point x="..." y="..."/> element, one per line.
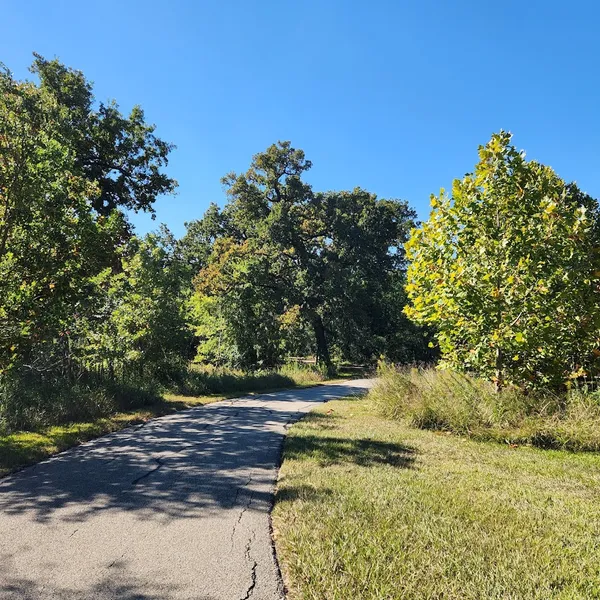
<point x="371" y="508"/>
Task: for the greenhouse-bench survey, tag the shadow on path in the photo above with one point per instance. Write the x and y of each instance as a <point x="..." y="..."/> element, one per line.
<point x="174" y="508"/>
<point x="172" y="467"/>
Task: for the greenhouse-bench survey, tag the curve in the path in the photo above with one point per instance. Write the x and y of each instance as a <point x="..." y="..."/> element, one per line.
<point x="177" y="508"/>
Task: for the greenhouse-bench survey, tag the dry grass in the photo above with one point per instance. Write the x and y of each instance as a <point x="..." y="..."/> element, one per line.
<point x="447" y="401"/>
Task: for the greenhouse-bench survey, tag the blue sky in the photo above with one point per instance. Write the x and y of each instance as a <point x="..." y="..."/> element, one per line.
<point x="391" y="96"/>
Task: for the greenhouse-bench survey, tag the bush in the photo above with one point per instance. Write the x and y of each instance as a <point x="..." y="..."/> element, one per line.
<point x="469" y="406"/>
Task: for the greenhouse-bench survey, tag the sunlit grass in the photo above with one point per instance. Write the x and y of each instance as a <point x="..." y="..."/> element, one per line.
<point x="374" y="509"/>
<point x="468" y="406"/>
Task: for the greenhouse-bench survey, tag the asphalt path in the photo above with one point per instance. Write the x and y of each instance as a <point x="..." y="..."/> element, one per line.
<point x="175" y="508"/>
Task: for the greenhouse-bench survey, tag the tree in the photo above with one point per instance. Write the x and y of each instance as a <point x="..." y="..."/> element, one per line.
<point x="325" y="259"/>
<point x="120" y="154"/>
<point x="50" y="239"/>
<point x="140" y="322"/>
<point x="507" y="270"/>
<point x="66" y="170"/>
<point x="196" y="245"/>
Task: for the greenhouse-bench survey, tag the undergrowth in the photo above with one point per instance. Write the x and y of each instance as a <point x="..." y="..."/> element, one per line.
<point x="469" y="406"/>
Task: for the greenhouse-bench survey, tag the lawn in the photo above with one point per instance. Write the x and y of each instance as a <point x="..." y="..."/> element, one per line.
<point x="370" y="508"/>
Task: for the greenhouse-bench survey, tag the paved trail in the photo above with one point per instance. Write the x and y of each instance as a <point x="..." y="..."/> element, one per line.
<point x="176" y="508"/>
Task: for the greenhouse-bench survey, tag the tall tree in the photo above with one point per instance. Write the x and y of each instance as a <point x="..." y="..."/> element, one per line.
<point x="65" y="171"/>
<point x="139" y="323"/>
<point x="122" y="155"/>
<point x="325" y="257"/>
<point x="507" y="271"/>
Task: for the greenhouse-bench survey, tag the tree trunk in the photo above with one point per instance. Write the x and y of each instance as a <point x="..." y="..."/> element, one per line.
<point x="323" y="356"/>
<point x="499" y="383"/>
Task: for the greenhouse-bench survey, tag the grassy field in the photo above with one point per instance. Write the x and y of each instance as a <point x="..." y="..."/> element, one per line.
<point x="370" y="508"/>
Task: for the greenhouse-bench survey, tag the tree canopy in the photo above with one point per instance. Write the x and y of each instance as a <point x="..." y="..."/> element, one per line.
<point x="507" y="271"/>
<point x="286" y="260"/>
<point x="503" y="278"/>
<point x="68" y="169"/>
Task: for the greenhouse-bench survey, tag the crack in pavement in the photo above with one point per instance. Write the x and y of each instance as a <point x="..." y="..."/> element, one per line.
<point x="244" y="509"/>
<point x="252" y="585"/>
<point x="159" y="464"/>
<point x="115" y="561"/>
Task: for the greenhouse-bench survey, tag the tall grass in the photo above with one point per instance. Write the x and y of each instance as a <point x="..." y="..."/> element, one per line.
<point x="207" y="379"/>
<point x="469" y="406"/>
<point x="32" y="402"/>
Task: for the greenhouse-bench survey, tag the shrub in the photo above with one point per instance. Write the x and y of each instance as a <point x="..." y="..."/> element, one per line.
<point x="30" y="401"/>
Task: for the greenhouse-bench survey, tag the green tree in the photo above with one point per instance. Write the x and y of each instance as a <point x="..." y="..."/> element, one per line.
<point x="196" y="245"/>
<point x="65" y="170"/>
<point x="506" y="270"/>
<point x="122" y="155"/>
<point x="50" y="239"/>
<point x="140" y="322"/>
<point x="289" y="255"/>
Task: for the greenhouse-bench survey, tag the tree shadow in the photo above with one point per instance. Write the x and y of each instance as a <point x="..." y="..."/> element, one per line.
<point x="365" y="452"/>
<point x="198" y="458"/>
<point x="210" y="463"/>
<point x="118" y="583"/>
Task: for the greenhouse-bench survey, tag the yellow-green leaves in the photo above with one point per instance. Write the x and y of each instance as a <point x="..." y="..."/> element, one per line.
<point x="507" y="268"/>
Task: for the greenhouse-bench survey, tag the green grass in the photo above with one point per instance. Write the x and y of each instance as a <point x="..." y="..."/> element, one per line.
<point x="371" y="508"/>
<point x="25" y="447"/>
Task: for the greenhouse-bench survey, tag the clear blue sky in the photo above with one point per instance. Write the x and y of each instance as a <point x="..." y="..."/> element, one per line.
<point x="391" y="96"/>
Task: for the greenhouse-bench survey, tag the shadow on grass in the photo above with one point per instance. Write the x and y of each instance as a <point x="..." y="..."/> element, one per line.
<point x="360" y="451"/>
<point x="305" y="493"/>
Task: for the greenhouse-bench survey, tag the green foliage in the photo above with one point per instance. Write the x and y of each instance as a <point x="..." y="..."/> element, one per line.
<point x="121" y="155"/>
<point x="506" y="271"/>
<point x="70" y="274"/>
<point x="140" y="325"/>
<point x="209" y="379"/>
<point x="469" y="406"/>
<point x="296" y="272"/>
<point x="33" y="402"/>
